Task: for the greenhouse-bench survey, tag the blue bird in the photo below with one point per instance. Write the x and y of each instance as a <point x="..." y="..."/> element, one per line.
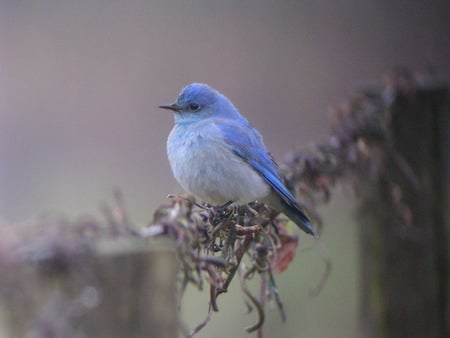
<point x="218" y="156"/>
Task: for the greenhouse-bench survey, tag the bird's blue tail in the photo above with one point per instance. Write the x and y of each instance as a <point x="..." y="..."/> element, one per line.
<point x="296" y="214"/>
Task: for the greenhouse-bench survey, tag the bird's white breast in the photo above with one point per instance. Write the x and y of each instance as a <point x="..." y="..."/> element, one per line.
<point x="205" y="166"/>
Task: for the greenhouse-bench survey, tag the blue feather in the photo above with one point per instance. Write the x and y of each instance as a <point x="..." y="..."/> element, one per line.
<point x="247" y="143"/>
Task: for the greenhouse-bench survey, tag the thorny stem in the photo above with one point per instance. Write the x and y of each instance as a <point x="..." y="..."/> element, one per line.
<point x="239" y="254"/>
<point x="259" y="310"/>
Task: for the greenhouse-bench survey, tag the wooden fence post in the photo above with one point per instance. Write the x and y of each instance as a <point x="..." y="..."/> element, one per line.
<point x="62" y="281"/>
<point x="405" y="272"/>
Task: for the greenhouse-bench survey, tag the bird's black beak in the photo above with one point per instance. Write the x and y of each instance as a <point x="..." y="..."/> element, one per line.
<point x="173" y="107"/>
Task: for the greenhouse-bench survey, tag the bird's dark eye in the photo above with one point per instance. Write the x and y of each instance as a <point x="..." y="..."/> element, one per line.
<point x="194" y="106"/>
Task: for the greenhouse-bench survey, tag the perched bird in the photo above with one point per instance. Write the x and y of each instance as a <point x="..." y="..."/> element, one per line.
<point x="218" y="156"/>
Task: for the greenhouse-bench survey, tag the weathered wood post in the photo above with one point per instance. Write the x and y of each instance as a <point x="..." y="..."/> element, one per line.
<point x="80" y="280"/>
<point x="404" y="228"/>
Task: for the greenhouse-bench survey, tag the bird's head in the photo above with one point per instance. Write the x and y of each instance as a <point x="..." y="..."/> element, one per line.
<point x="198" y="101"/>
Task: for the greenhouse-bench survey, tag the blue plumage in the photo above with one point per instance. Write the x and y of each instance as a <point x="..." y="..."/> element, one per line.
<point x="216" y="154"/>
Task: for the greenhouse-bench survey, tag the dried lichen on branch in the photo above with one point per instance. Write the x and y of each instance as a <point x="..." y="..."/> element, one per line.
<point x="359" y="150"/>
<point x="212" y="242"/>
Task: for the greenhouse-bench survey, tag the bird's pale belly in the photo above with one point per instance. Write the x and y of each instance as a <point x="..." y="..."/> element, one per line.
<point x="214" y="174"/>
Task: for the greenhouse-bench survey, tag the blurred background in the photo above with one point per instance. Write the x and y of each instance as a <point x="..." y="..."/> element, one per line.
<point x="80" y="83"/>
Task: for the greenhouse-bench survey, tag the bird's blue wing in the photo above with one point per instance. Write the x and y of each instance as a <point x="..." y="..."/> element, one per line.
<point x="246" y="142"/>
